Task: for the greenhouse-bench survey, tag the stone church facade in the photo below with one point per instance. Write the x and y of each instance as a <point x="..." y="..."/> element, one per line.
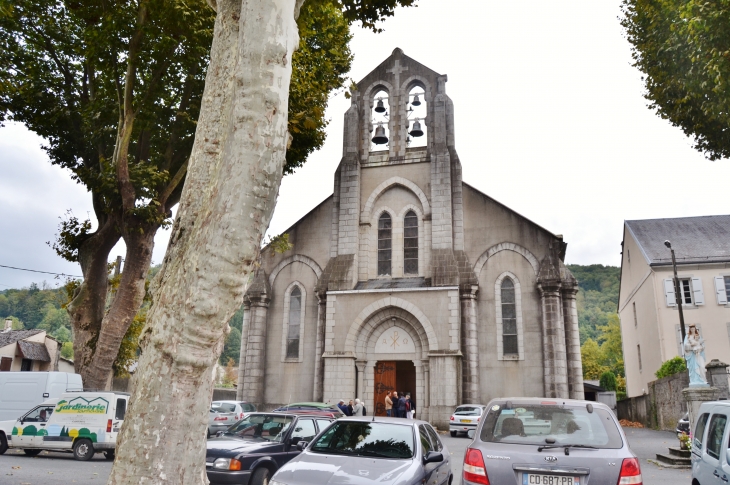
<point x="407" y="278"/>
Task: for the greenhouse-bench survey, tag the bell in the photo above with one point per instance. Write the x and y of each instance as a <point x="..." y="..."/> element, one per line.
<point x="416" y="102"/>
<point x="380" y="138"/>
<point x="416" y="131"/>
<point x="379" y="108"/>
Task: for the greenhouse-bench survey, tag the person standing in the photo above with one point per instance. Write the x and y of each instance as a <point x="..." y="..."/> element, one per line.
<point x="401" y="405"/>
<point x="357" y="409"/>
<point x="342" y="406"/>
<point x="409" y="407"/>
<point x="350" y="408"/>
<point x="388" y="404"/>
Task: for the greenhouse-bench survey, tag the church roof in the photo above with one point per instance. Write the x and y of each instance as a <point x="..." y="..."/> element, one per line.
<point x="704" y="239"/>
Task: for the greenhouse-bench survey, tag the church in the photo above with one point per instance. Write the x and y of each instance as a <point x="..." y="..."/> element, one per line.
<point x="407" y="278"/>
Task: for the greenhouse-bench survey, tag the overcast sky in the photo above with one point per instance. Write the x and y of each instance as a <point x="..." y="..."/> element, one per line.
<point x="550" y="120"/>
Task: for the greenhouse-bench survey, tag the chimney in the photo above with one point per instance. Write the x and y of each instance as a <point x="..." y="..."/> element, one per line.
<point x="8" y="325"/>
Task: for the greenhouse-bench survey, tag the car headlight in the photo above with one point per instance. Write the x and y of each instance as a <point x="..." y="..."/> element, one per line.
<point x="227" y="464"/>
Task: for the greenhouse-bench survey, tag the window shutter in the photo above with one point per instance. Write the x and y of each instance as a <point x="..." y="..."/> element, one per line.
<point x="669" y="292"/>
<point x="720" y="290"/>
<point x="699" y="295"/>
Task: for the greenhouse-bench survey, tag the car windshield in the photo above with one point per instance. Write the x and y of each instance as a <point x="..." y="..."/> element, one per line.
<point x="468" y="411"/>
<point x="379" y="440"/>
<point x="550" y="424"/>
<point x="223" y="407"/>
<point x="262" y="427"/>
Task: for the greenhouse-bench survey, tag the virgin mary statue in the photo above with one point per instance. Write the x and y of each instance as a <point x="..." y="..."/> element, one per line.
<point x="694" y="354"/>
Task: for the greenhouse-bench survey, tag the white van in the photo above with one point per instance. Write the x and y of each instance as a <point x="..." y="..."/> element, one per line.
<point x="710" y="449"/>
<point x="84" y="422"/>
<point x="20" y="391"/>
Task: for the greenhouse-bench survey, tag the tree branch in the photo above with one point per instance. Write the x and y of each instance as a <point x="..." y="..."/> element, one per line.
<point x="173" y="184"/>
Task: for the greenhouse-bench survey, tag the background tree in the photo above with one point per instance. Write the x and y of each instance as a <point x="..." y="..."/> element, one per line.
<point x="683" y="48"/>
<point x="115" y="89"/>
<point x="234" y="175"/>
<point x="608" y="381"/>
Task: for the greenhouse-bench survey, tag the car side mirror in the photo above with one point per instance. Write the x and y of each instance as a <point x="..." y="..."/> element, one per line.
<point x="219" y="434"/>
<point x="433" y="457"/>
<point x="471" y="434"/>
<point x="302" y="445"/>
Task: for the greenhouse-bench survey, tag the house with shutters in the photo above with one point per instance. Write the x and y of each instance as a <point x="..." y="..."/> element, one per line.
<point x="647" y="301"/>
<point x="28" y="350"/>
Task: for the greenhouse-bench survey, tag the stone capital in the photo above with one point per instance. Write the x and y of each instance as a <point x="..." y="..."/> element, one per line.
<point x="259" y="301"/>
<point x="468" y="293"/>
<point x="549" y="288"/>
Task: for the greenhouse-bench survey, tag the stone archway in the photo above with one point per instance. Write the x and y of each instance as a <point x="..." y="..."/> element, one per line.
<point x="391" y="334"/>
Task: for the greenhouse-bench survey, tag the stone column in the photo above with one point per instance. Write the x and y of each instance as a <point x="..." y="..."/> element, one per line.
<point x="717" y="377"/>
<point x="553" y="340"/>
<point x="360" y="391"/>
<point x="695" y="396"/>
<point x="244" y="347"/>
<point x="572" y="341"/>
<point x="469" y="345"/>
<point x="424" y="404"/>
<point x="319" y="347"/>
<point x="253" y="381"/>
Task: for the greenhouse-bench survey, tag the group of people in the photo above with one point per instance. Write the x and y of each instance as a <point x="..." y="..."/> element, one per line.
<point x="356" y="408"/>
<point x="399" y="405"/>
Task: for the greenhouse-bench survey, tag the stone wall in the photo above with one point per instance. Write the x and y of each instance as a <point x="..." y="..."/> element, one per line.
<point x="662" y="407"/>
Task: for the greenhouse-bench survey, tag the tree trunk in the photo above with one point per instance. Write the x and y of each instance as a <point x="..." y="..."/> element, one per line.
<point x="229" y="196"/>
<point x="86" y="310"/>
<point x="124" y="307"/>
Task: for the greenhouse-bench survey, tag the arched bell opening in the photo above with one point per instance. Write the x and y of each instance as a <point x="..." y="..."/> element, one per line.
<point x="380" y="116"/>
<point x="416" y="111"/>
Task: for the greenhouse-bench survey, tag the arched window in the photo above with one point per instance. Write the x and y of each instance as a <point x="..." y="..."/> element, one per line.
<point x="380" y="136"/>
<point x="295" y="311"/>
<point x="385" y="246"/>
<point x="509" y="318"/>
<point x="417" y="112"/>
<point x="410" y="243"/>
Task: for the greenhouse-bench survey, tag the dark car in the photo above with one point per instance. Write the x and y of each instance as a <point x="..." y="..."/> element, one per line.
<point x="683" y="425"/>
<point x="251" y="450"/>
<point x="313" y="409"/>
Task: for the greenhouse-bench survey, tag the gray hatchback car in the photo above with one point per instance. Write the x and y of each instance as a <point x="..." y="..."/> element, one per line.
<point x="365" y="450"/>
<point x="538" y="441"/>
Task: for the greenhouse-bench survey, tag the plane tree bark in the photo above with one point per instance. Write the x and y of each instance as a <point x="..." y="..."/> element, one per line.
<point x="233" y="179"/>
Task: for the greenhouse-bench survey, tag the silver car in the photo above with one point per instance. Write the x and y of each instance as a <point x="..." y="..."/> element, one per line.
<point x="363" y="450"/>
<point x="220" y="420"/>
<point x="539" y="441"/>
<point x="710" y="455"/>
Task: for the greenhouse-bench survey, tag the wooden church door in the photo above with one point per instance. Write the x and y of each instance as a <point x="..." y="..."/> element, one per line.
<point x="384" y="383"/>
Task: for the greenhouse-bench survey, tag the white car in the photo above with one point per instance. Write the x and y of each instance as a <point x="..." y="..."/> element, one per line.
<point x="239" y="408"/>
<point x="465" y="418"/>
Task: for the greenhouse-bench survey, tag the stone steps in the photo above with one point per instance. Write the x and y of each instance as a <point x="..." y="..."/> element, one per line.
<point x="673" y="460"/>
<point x="680" y="452"/>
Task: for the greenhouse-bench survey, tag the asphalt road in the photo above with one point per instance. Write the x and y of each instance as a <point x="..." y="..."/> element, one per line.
<point x="61" y="468"/>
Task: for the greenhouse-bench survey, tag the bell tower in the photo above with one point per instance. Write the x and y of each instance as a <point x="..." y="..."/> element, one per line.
<point x="399" y="113"/>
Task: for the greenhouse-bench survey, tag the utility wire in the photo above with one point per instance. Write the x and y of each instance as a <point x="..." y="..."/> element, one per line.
<point x="36" y="271"/>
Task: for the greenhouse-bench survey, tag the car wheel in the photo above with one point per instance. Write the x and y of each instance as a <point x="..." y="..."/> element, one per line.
<point x="31" y="451"/>
<point x="3" y="444"/>
<point x="261" y="476"/>
<point x="83" y="450"/>
<point x="453" y="434"/>
<point x="109" y="455"/>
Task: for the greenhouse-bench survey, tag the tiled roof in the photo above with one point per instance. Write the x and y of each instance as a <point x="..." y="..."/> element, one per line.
<point x="34" y="351"/>
<point x="703" y="239"/>
<point x="7" y="338"/>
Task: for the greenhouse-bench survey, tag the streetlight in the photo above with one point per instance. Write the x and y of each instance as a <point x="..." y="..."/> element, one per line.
<point x="677" y="293"/>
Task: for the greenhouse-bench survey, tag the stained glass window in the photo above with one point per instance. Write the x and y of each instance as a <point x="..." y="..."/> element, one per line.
<point x="410" y="243"/>
<point x="385" y="239"/>
<point x="509" y="318"/>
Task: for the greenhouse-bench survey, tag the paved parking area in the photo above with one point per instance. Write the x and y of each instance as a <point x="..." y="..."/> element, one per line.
<point x="61" y="468"/>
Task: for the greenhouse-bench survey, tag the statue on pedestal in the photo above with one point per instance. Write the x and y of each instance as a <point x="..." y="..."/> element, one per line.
<point x="694" y="354"/>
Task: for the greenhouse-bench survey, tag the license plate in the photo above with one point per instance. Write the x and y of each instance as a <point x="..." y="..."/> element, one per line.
<point x="532" y="479"/>
<point x="466" y="420"/>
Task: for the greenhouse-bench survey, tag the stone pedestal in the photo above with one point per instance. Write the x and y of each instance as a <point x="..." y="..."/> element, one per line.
<point x="717" y="377"/>
<point x="695" y="396"/>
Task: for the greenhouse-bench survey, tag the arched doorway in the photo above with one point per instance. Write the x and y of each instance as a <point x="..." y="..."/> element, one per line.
<point x="391" y="349"/>
<point x="393" y="375"/>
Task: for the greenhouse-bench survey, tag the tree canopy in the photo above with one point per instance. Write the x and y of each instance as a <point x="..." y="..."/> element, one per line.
<point x="683" y="49"/>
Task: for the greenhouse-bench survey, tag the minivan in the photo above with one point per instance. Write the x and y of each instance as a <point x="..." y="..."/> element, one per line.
<point x="710" y="449"/>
